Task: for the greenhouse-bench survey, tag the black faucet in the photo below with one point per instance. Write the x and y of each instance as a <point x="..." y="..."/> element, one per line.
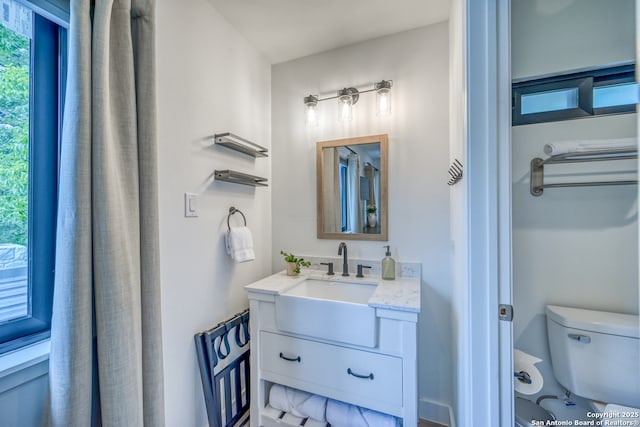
<point x="330" y="265"/>
<point x="345" y="264"/>
<point x="360" y="267"/>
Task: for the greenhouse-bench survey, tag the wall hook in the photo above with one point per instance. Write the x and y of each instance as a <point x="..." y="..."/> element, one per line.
<point x="455" y="171"/>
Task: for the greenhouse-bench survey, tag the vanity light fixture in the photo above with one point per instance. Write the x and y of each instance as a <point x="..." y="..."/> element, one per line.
<point x="347" y="98"/>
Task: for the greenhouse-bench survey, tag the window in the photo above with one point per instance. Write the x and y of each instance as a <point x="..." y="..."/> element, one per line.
<point x="597" y="92"/>
<point x="32" y="53"/>
<point x="552" y="100"/>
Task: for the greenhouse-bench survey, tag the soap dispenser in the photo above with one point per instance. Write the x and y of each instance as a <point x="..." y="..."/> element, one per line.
<point x="388" y="265"/>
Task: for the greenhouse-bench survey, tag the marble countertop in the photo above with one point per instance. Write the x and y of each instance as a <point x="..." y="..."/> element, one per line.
<point x="402" y="294"/>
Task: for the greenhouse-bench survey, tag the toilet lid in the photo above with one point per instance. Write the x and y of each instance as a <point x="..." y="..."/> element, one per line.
<point x="624" y="325"/>
<point x="526" y="411"/>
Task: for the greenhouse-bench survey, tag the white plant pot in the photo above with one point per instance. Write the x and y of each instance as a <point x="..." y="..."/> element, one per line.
<point x="372" y="219"/>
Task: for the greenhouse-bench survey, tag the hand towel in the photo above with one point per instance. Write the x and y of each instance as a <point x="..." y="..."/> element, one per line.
<point x="340" y="414"/>
<point x="565" y="147"/>
<point x="239" y="244"/>
<point x="298" y="402"/>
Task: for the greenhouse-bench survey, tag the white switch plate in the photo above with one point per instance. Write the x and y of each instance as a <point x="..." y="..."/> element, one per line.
<point x="191" y="205"/>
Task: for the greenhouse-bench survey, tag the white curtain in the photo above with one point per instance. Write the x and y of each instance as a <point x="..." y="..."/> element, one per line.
<point x="331" y="191"/>
<point x="106" y="350"/>
<point x="373" y="177"/>
<point x="353" y="194"/>
<point x="376" y="193"/>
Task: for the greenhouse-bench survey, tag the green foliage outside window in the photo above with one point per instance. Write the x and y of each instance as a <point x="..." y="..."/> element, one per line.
<point x="14" y="136"/>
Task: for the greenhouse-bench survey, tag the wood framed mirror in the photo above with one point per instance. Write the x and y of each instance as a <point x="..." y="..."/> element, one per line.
<point x="352" y="188"/>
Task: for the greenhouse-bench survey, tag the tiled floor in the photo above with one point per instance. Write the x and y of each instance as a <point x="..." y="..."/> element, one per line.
<point x="424" y="423"/>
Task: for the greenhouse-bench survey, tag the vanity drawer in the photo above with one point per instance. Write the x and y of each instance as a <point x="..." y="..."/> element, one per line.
<point x="369" y="376"/>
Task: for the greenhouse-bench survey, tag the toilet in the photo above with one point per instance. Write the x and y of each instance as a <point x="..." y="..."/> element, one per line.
<point x="596" y="355"/>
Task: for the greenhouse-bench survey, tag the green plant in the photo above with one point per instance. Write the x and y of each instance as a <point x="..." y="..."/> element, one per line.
<point x="300" y="262"/>
<point x="14" y="136"/>
<point x="371" y="209"/>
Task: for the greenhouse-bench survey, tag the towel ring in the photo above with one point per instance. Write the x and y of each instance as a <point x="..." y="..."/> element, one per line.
<point x="233" y="210"/>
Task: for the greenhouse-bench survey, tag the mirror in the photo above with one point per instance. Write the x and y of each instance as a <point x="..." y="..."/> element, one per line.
<point x="352" y="188"/>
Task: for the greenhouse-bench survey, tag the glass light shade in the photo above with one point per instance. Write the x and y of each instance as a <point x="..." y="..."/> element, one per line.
<point x="311" y="110"/>
<point x="345" y="108"/>
<point x="383" y="97"/>
<point x="383" y="101"/>
<point x="312" y="115"/>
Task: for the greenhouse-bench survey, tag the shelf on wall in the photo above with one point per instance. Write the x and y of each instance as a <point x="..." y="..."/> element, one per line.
<point x="240" y="178"/>
<point x="242" y="145"/>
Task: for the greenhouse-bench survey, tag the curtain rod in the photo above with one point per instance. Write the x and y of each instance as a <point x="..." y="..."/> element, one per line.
<point x="349" y="148"/>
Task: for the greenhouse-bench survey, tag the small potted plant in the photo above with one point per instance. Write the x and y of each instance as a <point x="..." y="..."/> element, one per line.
<point x="294" y="263"/>
<point x="371" y="215"/>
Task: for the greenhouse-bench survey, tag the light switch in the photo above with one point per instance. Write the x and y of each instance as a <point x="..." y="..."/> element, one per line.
<point x="190" y="205"/>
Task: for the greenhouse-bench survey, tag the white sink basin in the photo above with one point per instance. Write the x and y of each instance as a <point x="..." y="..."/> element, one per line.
<point x="332" y="310"/>
<point x="357" y="293"/>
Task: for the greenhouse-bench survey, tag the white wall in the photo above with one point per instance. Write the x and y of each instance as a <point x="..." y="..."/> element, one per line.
<point x="418" y="63"/>
<point x="23" y="393"/>
<point x="573" y="246"/>
<point x="549" y="36"/>
<point x="210" y="80"/>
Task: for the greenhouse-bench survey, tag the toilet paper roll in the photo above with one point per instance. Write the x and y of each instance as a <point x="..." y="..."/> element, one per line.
<point x="525" y="362"/>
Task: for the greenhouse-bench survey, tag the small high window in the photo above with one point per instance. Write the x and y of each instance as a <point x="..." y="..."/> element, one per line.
<point x="552" y="100"/>
<point x="615" y="95"/>
<point x="610" y="90"/>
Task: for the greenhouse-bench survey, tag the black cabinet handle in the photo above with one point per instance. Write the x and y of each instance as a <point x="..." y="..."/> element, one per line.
<point x="289" y="359"/>
<point x="364" y="377"/>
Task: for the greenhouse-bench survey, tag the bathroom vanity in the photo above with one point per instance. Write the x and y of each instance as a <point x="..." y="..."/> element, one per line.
<point x="346" y="338"/>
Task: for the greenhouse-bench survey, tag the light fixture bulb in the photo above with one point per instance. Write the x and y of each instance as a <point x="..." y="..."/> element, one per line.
<point x="384" y="105"/>
<point x="345" y="103"/>
<point x="383" y="97"/>
<point x="346" y="113"/>
<point x="311" y="110"/>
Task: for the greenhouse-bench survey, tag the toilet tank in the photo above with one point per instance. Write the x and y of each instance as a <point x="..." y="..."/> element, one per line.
<point x="596" y="354"/>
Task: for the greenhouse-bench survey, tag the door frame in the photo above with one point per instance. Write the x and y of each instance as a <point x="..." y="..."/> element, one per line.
<point x="505" y="283"/>
<point x="486" y="343"/>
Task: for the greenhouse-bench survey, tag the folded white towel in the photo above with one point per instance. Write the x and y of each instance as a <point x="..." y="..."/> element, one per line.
<point x="340" y="414"/>
<point x="565" y="147"/>
<point x="239" y="244"/>
<point x="298" y="402"/>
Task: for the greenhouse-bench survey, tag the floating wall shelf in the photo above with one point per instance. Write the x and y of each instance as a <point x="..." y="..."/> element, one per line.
<point x="240" y="178"/>
<point x="242" y="145"/>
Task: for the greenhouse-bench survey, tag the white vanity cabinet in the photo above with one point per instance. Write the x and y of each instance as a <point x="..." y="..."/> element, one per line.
<point x="382" y="377"/>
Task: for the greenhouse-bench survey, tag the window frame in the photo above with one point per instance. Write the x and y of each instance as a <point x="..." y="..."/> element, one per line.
<point x="584" y="81"/>
<point x="48" y="53"/>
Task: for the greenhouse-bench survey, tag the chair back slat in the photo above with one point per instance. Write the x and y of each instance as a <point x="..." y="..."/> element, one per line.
<point x="223" y="379"/>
